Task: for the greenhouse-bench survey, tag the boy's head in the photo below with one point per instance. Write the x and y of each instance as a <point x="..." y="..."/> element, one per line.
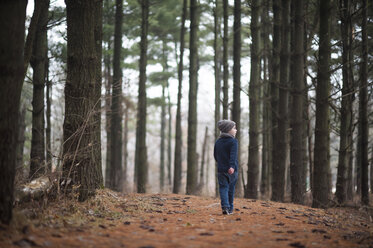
<point x="226" y="125"/>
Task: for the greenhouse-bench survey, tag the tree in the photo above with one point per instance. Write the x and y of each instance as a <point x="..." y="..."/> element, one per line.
<point x="12" y="17"/>
<point x="275" y="77"/>
<point x="321" y="152"/>
<point x="38" y="61"/>
<point x="266" y="123"/>
<point x="81" y="167"/>
<point x="225" y="60"/>
<point x="141" y="158"/>
<point x="236" y="108"/>
<point x="298" y="188"/>
<point x="98" y="8"/>
<point x="108" y="23"/>
<point x="254" y="91"/>
<point x="217" y="70"/>
<point x="281" y="144"/>
<point x="346" y="122"/>
<point x="363" y="108"/>
<point x="178" y="133"/>
<point x="191" y="187"/>
<point x="115" y="166"/>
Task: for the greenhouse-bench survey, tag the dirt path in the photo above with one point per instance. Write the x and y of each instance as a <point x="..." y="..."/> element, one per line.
<point x="167" y="220"/>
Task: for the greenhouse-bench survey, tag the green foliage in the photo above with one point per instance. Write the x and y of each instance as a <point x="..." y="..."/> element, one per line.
<point x="160" y="78"/>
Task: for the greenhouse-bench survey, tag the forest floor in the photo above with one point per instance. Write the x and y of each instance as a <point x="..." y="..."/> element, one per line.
<point x="111" y="219"/>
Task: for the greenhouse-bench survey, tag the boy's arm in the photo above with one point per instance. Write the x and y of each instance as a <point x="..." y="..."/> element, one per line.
<point x="215" y="152"/>
<point x="233" y="154"/>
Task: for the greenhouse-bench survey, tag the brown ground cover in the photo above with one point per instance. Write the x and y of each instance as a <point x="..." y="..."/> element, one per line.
<point x="169" y="220"/>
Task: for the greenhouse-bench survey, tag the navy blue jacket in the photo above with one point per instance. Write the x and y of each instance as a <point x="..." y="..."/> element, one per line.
<point x="225" y="153"/>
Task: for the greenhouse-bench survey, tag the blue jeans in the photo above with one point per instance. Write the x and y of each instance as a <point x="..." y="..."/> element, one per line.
<point x="227" y="185"/>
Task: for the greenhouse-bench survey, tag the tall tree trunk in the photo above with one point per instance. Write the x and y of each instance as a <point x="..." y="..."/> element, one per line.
<point x="38" y="60"/>
<point x="125" y="142"/>
<point x="178" y="132"/>
<point x="225" y="60"/>
<point x="162" y="145"/>
<point x="97" y="156"/>
<point x="346" y="105"/>
<point x="108" y="85"/>
<point x="202" y="170"/>
<point x="321" y="158"/>
<point x="275" y="78"/>
<point x="79" y="128"/>
<point x="217" y="69"/>
<point x="236" y="108"/>
<point x="266" y="124"/>
<point x="141" y="157"/>
<point x="20" y="142"/>
<point x="29" y="43"/>
<point x="48" y="95"/>
<point x="254" y="91"/>
<point x="169" y="144"/>
<point x="309" y="32"/>
<point x="281" y="139"/>
<point x="298" y="188"/>
<point x="12" y="19"/>
<point x="363" y="108"/>
<point x="116" y="105"/>
<point x="191" y="187"/>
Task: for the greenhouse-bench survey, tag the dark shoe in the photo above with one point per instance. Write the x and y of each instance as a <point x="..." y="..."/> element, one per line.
<point x="225" y="211"/>
<point x="230" y="212"/>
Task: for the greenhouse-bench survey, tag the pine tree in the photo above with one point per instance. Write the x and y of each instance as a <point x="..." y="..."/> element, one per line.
<point x="12" y="17"/>
<point x="38" y="60"/>
<point x="178" y="131"/>
<point x="80" y="165"/>
<point x="321" y="153"/>
<point x="191" y="187"/>
<point x="298" y="188"/>
<point x="116" y="172"/>
<point x="141" y="158"/>
<point x="254" y="91"/>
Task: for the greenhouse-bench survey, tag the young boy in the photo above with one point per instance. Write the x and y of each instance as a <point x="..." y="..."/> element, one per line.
<point x="225" y="154"/>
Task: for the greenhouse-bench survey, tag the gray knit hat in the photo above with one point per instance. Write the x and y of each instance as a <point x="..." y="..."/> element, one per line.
<point x="225" y="125"/>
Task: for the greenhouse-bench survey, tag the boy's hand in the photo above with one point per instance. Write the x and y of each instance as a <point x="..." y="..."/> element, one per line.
<point x="230" y="171"/>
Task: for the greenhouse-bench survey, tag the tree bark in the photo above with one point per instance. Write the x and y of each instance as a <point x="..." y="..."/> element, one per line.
<point x="217" y="69"/>
<point x="178" y="131"/>
<point x="38" y="60"/>
<point x="29" y="43"/>
<point x="20" y="142"/>
<point x="281" y="141"/>
<point x="81" y="165"/>
<point x="169" y="141"/>
<point x="12" y="19"/>
<point x="48" y="95"/>
<point x="236" y="108"/>
<point x="254" y="92"/>
<point x="225" y="60"/>
<point x="108" y="85"/>
<point x="321" y="158"/>
<point x="162" y="145"/>
<point x="275" y="78"/>
<point x="141" y="158"/>
<point x="191" y="187"/>
<point x="266" y="123"/>
<point x="298" y="188"/>
<point x="107" y="20"/>
<point x="346" y="104"/>
<point x="202" y="170"/>
<point x="116" y="105"/>
<point x="97" y="91"/>
<point x="363" y="108"/>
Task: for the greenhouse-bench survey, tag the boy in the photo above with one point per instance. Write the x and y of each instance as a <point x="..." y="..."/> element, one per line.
<point x="225" y="154"/>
